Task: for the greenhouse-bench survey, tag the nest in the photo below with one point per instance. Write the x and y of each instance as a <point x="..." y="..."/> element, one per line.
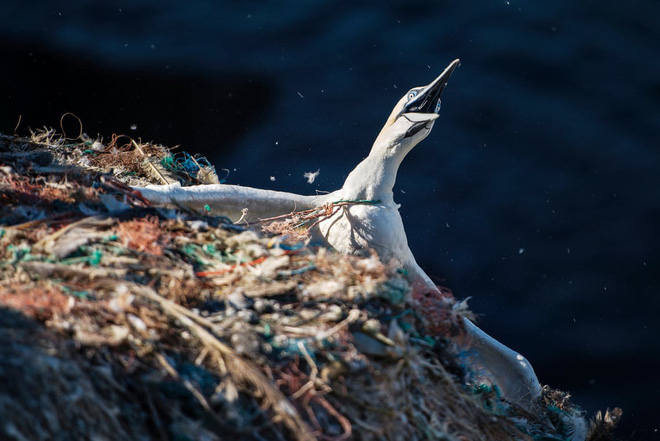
<point x="122" y="321"/>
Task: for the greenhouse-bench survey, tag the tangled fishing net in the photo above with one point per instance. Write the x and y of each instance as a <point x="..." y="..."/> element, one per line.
<point x="122" y="321"/>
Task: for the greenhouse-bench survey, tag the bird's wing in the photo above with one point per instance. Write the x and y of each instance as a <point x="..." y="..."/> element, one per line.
<point x="229" y="200"/>
<point x="505" y="367"/>
<point x="509" y="370"/>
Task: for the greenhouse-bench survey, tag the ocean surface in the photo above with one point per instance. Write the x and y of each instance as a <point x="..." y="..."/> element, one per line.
<point x="537" y="194"/>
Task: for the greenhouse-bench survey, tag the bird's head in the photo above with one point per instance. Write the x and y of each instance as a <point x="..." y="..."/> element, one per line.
<point x="409" y="123"/>
<point x="413" y="116"/>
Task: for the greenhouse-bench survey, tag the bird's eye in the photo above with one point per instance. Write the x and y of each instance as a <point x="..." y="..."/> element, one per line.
<point x="412" y="94"/>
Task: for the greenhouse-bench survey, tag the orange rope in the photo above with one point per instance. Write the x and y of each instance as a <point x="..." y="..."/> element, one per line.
<point x="226" y="270"/>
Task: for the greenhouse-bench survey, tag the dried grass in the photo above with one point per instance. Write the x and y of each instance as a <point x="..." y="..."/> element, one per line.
<point x="147" y="324"/>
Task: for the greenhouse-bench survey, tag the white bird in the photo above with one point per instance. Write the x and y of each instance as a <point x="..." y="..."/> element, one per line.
<point x="358" y="228"/>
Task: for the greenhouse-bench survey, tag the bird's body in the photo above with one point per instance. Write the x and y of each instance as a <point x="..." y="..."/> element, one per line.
<point x="356" y="229"/>
<point x="377" y="225"/>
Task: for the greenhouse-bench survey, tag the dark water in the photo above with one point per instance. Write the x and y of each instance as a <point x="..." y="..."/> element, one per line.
<point x="537" y="194"/>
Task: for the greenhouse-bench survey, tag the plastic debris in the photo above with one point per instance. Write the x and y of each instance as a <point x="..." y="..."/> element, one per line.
<point x="143" y="323"/>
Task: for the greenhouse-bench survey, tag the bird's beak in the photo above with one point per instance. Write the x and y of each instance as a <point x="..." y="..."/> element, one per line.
<point x="428" y="100"/>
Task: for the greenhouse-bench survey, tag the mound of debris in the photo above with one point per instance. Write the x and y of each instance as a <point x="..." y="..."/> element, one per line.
<point x="122" y="321"/>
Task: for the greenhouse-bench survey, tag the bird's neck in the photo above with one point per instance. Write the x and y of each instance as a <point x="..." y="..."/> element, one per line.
<point x="374" y="177"/>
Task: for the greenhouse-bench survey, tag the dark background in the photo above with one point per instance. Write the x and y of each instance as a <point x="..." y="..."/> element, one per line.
<point x="537" y="194"/>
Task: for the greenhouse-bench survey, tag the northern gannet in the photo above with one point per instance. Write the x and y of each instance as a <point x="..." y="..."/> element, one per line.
<point x="358" y="228"/>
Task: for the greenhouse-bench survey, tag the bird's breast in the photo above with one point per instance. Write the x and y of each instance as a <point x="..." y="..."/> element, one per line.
<point x="356" y="229"/>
